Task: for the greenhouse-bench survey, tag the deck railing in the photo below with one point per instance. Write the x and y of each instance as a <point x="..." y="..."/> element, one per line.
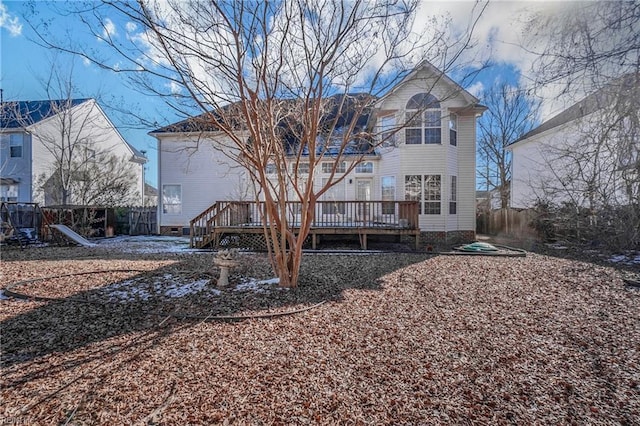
<point x="327" y="214"/>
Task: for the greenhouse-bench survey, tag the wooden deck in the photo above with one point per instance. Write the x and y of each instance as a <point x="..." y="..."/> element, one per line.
<point x="226" y="220"/>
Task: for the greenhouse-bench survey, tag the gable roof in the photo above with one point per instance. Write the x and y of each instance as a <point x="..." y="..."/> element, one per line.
<point x="590" y="104"/>
<point x="426" y="65"/>
<point x="20" y="114"/>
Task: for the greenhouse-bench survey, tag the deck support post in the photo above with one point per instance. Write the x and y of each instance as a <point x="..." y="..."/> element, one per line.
<point x="314" y="241"/>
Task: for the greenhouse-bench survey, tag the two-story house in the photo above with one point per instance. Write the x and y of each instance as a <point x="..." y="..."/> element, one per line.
<point x="66" y="152"/>
<point x="587" y="155"/>
<point x="430" y="160"/>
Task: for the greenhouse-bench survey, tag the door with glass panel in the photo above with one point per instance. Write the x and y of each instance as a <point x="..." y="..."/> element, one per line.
<point x="363" y="193"/>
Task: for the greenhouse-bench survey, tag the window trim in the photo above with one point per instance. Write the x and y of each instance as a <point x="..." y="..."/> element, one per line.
<point x="19" y="144"/>
<point x="453" y="129"/>
<point x="386" y="130"/>
<point x="417" y="117"/>
<point x="388" y="200"/>
<point x="453" y="195"/>
<point x="5" y="190"/>
<point x="360" y="167"/>
<point x="165" y="204"/>
<point x="429" y="198"/>
<point x="327" y="167"/>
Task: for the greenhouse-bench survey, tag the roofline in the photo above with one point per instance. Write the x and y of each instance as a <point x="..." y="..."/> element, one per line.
<point x="441" y="74"/>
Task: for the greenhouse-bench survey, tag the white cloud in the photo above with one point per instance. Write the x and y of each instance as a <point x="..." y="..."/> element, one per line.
<point x="500" y="35"/>
<point x="9" y="22"/>
<point x="174" y="87"/>
<point x="131" y="27"/>
<point x="86" y="62"/>
<point x="109" y="28"/>
<point x="476" y="89"/>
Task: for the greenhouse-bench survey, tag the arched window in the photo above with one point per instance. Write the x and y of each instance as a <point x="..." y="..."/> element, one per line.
<point x="423" y="120"/>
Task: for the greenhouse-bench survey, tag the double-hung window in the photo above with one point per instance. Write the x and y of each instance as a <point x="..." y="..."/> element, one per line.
<point x="386" y="125"/>
<point x="15" y="145"/>
<point x="453" y="198"/>
<point x="171" y="199"/>
<point x="453" y="130"/>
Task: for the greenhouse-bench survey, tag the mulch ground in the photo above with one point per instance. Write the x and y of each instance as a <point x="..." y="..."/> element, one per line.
<point x="401" y="339"/>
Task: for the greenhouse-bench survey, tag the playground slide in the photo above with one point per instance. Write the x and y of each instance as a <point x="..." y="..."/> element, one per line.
<point x="72" y="235"/>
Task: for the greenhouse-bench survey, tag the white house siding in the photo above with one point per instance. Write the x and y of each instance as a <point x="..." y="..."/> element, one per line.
<point x="18" y="168"/>
<point x="426" y="159"/>
<point x="466" y="149"/>
<point x="437" y="159"/>
<point x="202" y="171"/>
<point x="539" y="173"/>
<point x="90" y="124"/>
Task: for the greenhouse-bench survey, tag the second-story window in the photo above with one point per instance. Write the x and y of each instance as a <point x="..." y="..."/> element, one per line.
<point x="453" y="129"/>
<point x="423" y="120"/>
<point x="386" y="127"/>
<point x="15" y="145"/>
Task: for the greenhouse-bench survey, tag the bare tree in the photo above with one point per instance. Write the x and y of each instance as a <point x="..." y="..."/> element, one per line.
<point x="585" y="46"/>
<point x="285" y="84"/>
<point x="595" y="169"/>
<point x="594" y="48"/>
<point x="72" y="147"/>
<point x="511" y="114"/>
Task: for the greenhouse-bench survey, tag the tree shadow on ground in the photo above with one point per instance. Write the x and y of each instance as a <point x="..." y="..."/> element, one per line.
<point x="93" y="315"/>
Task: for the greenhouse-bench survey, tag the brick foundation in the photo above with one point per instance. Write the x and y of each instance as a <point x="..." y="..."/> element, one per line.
<point x="174" y="231"/>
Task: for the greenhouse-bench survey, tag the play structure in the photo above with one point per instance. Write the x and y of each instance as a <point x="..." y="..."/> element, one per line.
<point x="24" y="224"/>
<point x="72" y="235"/>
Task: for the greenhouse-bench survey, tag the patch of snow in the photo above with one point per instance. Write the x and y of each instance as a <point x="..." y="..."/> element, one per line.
<point x="133" y="293"/>
<point x="130" y="290"/>
<point x="626" y="259"/>
<point x="270" y="281"/>
<point x="256" y="286"/>
<point x="618" y="258"/>
<point x="148" y="244"/>
<point x="180" y="290"/>
<point x="556" y="246"/>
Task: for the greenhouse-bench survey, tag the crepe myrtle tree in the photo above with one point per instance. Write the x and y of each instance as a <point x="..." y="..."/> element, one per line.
<point x="286" y="83"/>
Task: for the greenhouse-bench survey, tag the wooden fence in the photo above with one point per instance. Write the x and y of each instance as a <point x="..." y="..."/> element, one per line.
<point x="515" y="223"/>
<point x="137" y="220"/>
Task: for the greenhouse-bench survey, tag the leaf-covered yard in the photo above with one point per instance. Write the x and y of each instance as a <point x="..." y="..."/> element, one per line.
<point x="402" y="339"/>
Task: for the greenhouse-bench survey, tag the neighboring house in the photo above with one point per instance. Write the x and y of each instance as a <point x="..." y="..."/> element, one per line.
<point x="43" y="140"/>
<point x="487" y="201"/>
<point x="431" y="161"/>
<point x="585" y="153"/>
<point x="150" y="195"/>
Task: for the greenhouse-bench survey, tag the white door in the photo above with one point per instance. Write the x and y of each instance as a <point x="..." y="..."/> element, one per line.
<point x="363" y="193"/>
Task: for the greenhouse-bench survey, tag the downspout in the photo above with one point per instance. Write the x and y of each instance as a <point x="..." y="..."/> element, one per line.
<point x="159" y="190"/>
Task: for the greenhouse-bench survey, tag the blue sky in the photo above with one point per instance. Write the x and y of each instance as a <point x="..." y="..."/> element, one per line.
<point x="24" y="64"/>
